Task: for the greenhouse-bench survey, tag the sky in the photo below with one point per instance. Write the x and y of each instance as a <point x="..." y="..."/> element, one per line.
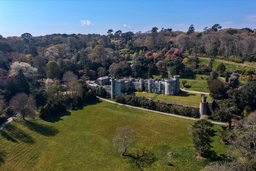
<point x="42" y="17"/>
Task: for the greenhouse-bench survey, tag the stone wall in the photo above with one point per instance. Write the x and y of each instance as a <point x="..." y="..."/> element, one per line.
<point x="169" y="86"/>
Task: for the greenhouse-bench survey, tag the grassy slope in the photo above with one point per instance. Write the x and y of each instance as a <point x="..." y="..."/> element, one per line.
<point x="230" y="67"/>
<point x="83" y="141"/>
<point x="189" y="99"/>
<point x="197" y="84"/>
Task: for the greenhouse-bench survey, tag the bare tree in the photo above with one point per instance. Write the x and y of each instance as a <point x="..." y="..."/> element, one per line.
<point x="243" y="144"/>
<point x="23" y="104"/>
<point x="69" y="76"/>
<point x="74" y="88"/>
<point x="124" y="139"/>
<point x="245" y="137"/>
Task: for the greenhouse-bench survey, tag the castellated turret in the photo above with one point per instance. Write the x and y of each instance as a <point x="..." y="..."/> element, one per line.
<point x="203" y="108"/>
<point x="177" y="80"/>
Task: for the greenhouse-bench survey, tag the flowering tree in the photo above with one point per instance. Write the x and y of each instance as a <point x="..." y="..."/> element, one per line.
<point x="26" y="69"/>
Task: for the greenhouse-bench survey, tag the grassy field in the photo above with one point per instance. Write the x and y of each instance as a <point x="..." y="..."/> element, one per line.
<point x="82" y="140"/>
<point x="230" y="66"/>
<point x="197" y="84"/>
<point x="184" y="98"/>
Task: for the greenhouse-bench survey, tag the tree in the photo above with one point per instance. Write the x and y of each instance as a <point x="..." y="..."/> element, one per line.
<point x="184" y="82"/>
<point x="175" y="66"/>
<point x="69" y="76"/>
<point x="118" y="34"/>
<point x="228" y="108"/>
<point x="202" y="132"/>
<point x="161" y="65"/>
<point x="124" y="139"/>
<point x="26" y="69"/>
<point x="149" y="42"/>
<point x="191" y="29"/>
<point x="98" y="54"/>
<point x="26" y="37"/>
<point x="4" y="46"/>
<point x="102" y="71"/>
<point x="74" y="89"/>
<point x="52" y="70"/>
<point x="221" y="68"/>
<point x="216" y="27"/>
<point x="23" y="104"/>
<point x="120" y="70"/>
<point x="247" y="96"/>
<point x="55" y="92"/>
<point x="242" y="151"/>
<point x="40" y="63"/>
<point x="110" y="31"/>
<point x="154" y="30"/>
<point x="217" y="89"/>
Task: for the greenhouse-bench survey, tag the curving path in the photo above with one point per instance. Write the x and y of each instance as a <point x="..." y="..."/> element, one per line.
<point x="162" y="113"/>
<point x="10" y="119"/>
<point x="197" y="92"/>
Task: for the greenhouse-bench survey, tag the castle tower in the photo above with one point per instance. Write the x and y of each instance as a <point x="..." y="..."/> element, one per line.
<point x="141" y="84"/>
<point x="159" y="87"/>
<point x="149" y="85"/>
<point x="167" y="86"/>
<point x="203" y="108"/>
<point x="112" y="88"/>
<point x="177" y="79"/>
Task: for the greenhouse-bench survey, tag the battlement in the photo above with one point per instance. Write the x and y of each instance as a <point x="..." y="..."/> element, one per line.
<point x="168" y="86"/>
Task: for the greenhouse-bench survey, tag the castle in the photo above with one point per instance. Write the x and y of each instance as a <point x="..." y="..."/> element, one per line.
<point x="117" y="87"/>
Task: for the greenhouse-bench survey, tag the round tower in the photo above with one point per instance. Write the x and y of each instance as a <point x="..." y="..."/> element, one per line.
<point x="203" y="108"/>
<point x="167" y="87"/>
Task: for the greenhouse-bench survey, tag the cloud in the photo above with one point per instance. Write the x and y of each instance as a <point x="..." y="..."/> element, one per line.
<point x="251" y="18"/>
<point x="228" y="23"/>
<point x="86" y="23"/>
<point x="126" y="26"/>
<point x="181" y="24"/>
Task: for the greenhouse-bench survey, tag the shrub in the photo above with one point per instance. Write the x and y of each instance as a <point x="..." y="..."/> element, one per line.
<point x="236" y="59"/>
<point x="51" y="109"/>
<point x="158" y="106"/>
<point x="220" y="57"/>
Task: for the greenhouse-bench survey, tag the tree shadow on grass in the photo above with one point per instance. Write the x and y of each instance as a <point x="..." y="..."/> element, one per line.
<point x="185" y="94"/>
<point x="18" y="134"/>
<point x="187" y="86"/>
<point x="56" y="117"/>
<point x="94" y="102"/>
<point x="42" y="129"/>
<point x="7" y="137"/>
<point x="212" y="156"/>
<point x="2" y="156"/>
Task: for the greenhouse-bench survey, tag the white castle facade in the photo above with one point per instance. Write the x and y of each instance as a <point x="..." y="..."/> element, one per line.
<point x="116" y="87"/>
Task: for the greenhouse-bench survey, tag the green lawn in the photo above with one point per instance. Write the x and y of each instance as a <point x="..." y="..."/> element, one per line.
<point x="230" y="67"/>
<point x="82" y="140"/>
<point x="184" y="98"/>
<point x="197" y="84"/>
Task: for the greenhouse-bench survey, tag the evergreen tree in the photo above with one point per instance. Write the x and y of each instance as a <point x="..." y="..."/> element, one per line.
<point x="202" y="131"/>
